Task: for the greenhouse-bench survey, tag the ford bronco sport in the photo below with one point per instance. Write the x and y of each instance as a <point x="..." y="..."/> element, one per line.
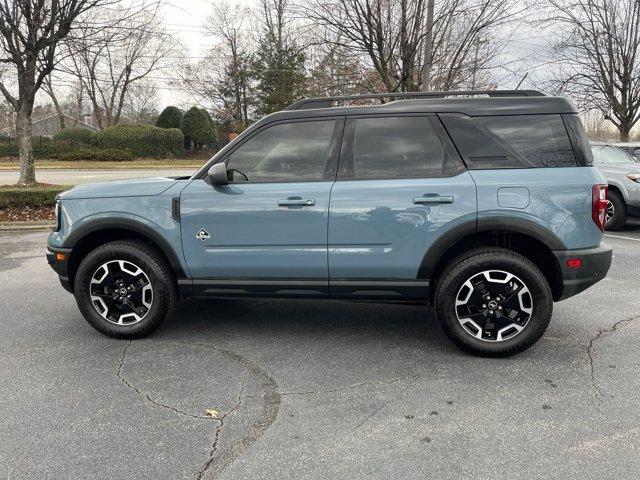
<point x="482" y="204"/>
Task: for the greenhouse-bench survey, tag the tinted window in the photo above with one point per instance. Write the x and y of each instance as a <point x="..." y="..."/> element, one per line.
<point x="514" y="141"/>
<point x="288" y="152"/>
<point x="399" y="147"/>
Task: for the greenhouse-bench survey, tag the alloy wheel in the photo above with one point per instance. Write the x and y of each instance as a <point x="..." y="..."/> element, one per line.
<point x="609" y="212"/>
<point x="494" y="305"/>
<point x="121" y="292"/>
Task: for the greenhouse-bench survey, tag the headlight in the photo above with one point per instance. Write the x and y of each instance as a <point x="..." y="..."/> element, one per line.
<point x="634" y="177"/>
<point x="57" y="214"/>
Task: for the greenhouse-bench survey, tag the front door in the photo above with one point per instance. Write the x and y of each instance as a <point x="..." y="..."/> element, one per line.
<point x="267" y="229"/>
<point x="400" y="186"/>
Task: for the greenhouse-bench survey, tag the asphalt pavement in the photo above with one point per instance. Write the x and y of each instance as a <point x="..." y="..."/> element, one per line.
<point x="77" y="177"/>
<point x="305" y="389"/>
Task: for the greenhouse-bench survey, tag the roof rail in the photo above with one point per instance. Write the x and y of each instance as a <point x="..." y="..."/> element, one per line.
<point x="327" y="102"/>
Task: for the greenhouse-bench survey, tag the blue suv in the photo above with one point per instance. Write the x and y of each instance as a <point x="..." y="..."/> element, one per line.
<point x="482" y="204"/>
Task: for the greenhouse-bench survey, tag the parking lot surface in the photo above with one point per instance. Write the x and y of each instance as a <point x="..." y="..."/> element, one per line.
<point x="304" y="389"/>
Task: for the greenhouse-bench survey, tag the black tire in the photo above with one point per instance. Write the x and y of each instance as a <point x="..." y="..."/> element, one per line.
<point x="156" y="270"/>
<point x="469" y="266"/>
<point x="619" y="218"/>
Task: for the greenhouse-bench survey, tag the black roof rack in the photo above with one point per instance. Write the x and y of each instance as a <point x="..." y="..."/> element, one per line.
<point x="327" y="102"/>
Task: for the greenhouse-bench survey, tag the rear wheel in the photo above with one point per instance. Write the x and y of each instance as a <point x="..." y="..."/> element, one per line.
<point x="616" y="213"/>
<point x="125" y="289"/>
<point x="493" y="302"/>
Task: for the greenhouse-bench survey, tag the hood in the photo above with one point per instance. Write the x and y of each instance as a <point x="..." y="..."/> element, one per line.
<point x="622" y="168"/>
<point x="138" y="187"/>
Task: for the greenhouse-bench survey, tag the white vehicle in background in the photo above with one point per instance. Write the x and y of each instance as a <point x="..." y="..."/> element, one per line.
<point x="622" y="172"/>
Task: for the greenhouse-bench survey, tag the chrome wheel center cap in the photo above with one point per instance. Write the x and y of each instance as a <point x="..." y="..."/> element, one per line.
<point x="493" y="305"/>
<point x="122" y="292"/>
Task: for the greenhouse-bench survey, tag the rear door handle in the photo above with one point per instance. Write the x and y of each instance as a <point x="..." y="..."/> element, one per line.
<point x="433" y="199"/>
<point x="297" y="202"/>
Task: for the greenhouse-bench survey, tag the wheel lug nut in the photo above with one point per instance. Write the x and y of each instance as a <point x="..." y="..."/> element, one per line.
<point x="484" y="305"/>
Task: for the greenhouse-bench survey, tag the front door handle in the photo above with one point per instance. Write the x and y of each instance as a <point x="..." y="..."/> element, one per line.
<point x="297" y="202"/>
<point x="429" y="199"/>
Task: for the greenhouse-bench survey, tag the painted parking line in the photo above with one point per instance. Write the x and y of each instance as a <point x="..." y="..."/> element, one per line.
<point x="622" y="237"/>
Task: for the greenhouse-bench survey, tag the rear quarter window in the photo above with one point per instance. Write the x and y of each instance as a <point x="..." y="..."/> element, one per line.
<point x="511" y="141"/>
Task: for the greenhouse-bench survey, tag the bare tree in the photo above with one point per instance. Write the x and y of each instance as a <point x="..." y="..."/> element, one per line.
<point x="49" y="89"/>
<point x="109" y="58"/>
<point x="597" y="57"/>
<point x="234" y="73"/>
<point x="30" y="34"/>
<point x="140" y="102"/>
<point x="391" y="33"/>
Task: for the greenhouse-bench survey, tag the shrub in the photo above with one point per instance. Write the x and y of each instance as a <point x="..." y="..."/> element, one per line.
<point x="113" y="155"/>
<point x="141" y="140"/>
<point x="169" y="118"/>
<point x="76" y="135"/>
<point x="8" y="147"/>
<point x="197" y="127"/>
<point x="38" y="196"/>
<point x="106" y="155"/>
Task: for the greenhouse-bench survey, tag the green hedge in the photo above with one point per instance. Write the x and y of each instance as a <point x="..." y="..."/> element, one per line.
<point x="107" y="155"/>
<point x="76" y="135"/>
<point x="142" y="140"/>
<point x="40" y="196"/>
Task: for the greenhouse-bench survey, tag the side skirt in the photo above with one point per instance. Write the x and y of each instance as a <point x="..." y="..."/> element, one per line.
<point x="400" y="291"/>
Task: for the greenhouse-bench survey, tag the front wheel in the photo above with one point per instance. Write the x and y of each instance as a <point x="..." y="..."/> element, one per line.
<point x="493" y="302"/>
<point x="125" y="289"/>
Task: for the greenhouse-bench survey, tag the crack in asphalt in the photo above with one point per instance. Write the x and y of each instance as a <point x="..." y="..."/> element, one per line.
<point x="218" y="432"/>
<point x="218" y="460"/>
<point x="407" y="378"/>
<point x="590" y="347"/>
<point x="148" y="397"/>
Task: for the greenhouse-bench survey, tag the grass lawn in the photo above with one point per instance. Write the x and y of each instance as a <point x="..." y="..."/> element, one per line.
<point x="139" y="163"/>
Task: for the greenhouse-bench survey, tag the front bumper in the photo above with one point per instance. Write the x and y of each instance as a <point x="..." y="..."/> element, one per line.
<point x="58" y="259"/>
<point x="595" y="265"/>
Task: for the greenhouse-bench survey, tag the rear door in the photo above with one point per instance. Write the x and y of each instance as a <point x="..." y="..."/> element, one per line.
<point x="400" y="186"/>
<point x="267" y="229"/>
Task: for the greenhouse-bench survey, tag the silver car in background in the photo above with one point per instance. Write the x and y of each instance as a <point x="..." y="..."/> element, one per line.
<point x="623" y="175"/>
<point x="632" y="148"/>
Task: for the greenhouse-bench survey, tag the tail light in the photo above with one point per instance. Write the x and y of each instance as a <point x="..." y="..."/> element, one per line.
<point x="599" y="205"/>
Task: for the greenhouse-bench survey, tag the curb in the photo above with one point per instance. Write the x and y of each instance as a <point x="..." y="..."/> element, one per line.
<point x="48" y="225"/>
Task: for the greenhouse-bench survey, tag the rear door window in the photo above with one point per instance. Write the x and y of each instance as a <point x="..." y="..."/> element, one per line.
<point x="399" y="147"/>
<point x="511" y="141"/>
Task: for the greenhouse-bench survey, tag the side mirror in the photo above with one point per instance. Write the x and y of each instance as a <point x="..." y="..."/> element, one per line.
<point x="218" y="175"/>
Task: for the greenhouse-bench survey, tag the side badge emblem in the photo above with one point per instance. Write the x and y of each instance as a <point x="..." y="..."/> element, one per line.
<point x="203" y="235"/>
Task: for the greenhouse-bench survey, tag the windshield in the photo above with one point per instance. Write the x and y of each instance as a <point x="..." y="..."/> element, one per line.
<point x="606" y="155"/>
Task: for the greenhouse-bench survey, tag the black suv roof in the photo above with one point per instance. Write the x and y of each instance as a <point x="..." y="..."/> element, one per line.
<point x="494" y="102"/>
<point x="467" y="106"/>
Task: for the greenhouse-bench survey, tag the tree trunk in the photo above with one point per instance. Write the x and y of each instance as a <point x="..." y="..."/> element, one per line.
<point x="428" y="48"/>
<point x="25" y="146"/>
<point x="624" y="132"/>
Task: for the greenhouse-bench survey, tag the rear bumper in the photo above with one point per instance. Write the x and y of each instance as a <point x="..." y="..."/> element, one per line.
<point x="60" y="265"/>
<point x="595" y="265"/>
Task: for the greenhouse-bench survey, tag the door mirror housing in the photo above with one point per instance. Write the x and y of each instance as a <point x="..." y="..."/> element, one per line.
<point x="217" y="175"/>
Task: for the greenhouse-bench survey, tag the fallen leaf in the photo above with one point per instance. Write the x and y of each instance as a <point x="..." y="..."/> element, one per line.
<point x="210" y="412"/>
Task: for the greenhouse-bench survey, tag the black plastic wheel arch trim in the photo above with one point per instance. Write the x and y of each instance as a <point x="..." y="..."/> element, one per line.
<point x="492" y="224"/>
<point x="132" y="225"/>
